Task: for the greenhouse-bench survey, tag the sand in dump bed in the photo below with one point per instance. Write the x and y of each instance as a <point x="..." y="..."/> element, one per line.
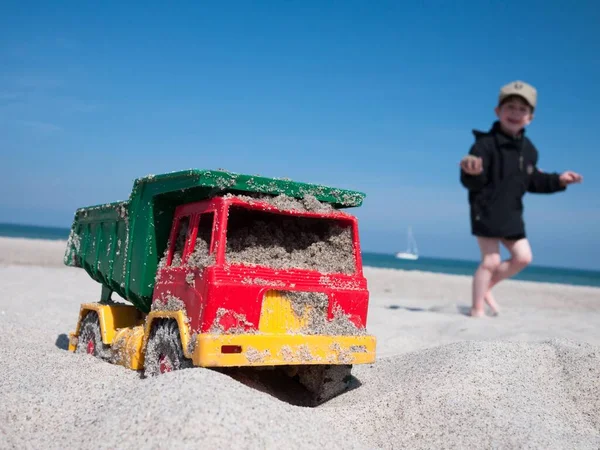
<point x="278" y="241"/>
<point x="527" y="379"/>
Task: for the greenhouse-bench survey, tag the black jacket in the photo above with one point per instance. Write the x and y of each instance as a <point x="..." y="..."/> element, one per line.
<point x="509" y="170"/>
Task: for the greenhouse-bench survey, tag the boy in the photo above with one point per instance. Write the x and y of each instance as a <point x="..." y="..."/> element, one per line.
<point x="500" y="168"/>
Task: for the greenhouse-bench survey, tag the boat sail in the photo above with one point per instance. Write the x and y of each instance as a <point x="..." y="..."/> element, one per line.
<point x="412" y="252"/>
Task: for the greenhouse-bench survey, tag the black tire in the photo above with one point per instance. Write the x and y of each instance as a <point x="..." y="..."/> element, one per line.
<point x="164" y="352"/>
<point x="324" y="382"/>
<point x="90" y="337"/>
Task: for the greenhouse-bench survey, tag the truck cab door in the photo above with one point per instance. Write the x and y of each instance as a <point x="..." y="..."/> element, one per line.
<point x="191" y="252"/>
<point x="171" y="286"/>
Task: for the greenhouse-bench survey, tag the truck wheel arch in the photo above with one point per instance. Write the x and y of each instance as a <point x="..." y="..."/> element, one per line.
<point x="180" y="317"/>
<point x="90" y="337"/>
<point x="111" y="317"/>
<point x="164" y="351"/>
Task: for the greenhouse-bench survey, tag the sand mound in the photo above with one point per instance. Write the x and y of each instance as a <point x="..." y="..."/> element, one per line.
<point x="468" y="394"/>
<point x="479" y="395"/>
<point x="55" y="399"/>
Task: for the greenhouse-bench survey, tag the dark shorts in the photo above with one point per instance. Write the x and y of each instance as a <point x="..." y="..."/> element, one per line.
<point x="512" y="237"/>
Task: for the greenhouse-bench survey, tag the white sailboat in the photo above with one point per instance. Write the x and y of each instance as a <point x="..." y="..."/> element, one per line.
<point x="412" y="252"/>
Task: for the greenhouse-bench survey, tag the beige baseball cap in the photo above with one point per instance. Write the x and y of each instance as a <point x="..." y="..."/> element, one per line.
<point x="520" y="88"/>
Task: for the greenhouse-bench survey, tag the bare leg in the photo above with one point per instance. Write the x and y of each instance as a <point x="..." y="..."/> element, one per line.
<point x="521" y="256"/>
<point x="491" y="302"/>
<point x="490" y="260"/>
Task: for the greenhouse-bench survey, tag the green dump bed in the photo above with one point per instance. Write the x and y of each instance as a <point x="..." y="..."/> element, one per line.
<point x="120" y="244"/>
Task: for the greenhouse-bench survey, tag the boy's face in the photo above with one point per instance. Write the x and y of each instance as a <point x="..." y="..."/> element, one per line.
<point x="514" y="115"/>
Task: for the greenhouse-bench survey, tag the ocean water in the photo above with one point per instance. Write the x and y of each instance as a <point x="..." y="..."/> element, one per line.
<point x="460" y="267"/>
<point x="437" y="265"/>
<point x="33" y="232"/>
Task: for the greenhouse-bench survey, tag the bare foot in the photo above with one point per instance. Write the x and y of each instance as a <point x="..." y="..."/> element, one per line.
<point x="477" y="312"/>
<point x="491" y="302"/>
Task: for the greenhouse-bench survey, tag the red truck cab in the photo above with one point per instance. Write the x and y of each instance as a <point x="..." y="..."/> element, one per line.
<point x="247" y="286"/>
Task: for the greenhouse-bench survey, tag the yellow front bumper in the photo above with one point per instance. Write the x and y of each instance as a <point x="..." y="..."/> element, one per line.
<point x="212" y="350"/>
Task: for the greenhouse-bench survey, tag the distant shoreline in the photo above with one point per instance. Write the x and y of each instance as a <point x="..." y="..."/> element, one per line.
<point x="49" y="252"/>
<point x="34" y="231"/>
<point x="51" y="233"/>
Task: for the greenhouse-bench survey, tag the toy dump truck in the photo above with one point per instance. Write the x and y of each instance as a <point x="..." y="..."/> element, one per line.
<point x="216" y="269"/>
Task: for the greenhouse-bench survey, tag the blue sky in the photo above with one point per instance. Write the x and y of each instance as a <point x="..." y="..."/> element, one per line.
<point x="374" y="96"/>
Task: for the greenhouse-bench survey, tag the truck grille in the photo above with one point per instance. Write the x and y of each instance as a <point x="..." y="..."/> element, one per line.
<point x="292" y="311"/>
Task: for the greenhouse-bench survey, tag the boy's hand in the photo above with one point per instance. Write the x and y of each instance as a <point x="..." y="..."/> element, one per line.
<point x="473" y="165"/>
<point x="569" y="177"/>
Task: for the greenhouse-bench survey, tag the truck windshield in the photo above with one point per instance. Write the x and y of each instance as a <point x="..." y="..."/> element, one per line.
<point x="282" y="241"/>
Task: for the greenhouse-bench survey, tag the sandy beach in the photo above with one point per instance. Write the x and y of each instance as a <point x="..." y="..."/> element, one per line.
<point x="529" y="378"/>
